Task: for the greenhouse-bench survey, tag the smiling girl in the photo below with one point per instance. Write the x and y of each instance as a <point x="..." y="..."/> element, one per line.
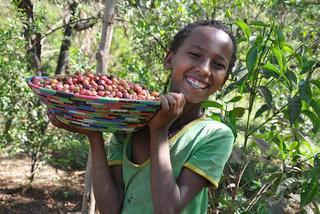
<point x="168" y="165"/>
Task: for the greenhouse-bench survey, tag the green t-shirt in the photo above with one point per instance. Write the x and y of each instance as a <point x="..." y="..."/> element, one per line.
<point x="203" y="146"/>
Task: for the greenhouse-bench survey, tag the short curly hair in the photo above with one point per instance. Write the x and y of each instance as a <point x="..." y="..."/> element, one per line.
<point x="182" y="34"/>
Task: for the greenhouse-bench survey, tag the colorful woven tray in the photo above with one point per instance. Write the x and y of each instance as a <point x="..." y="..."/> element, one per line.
<point x="96" y="113"/>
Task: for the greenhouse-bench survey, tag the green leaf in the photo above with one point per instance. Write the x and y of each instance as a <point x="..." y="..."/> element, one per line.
<point x="242" y="82"/>
<point x="305" y="91"/>
<point x="213" y="104"/>
<point x="307" y="65"/>
<point x="229" y="88"/>
<point x="316" y="83"/>
<point x="216" y="117"/>
<point x="313" y="118"/>
<point x="280" y="37"/>
<point x="288" y="49"/>
<point x="251" y="59"/>
<point x="270" y="70"/>
<point x="291" y="76"/>
<point x="294" y="107"/>
<point x="265" y="92"/>
<point x="228" y="13"/>
<point x="237" y="112"/>
<point x="258" y="41"/>
<point x="277" y="53"/>
<point x="314" y="172"/>
<point x="244" y="27"/>
<point x="261" y="110"/>
<point x="259" y="23"/>
<point x="316" y="106"/>
<point x="235" y="99"/>
<point x="271" y="67"/>
<point x="310" y="189"/>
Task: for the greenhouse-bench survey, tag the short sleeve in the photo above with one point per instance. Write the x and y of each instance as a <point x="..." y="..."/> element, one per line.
<point x="211" y="156"/>
<point x="115" y="150"/>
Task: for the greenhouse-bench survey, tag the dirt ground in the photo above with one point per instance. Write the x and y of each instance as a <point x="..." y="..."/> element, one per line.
<point x="53" y="190"/>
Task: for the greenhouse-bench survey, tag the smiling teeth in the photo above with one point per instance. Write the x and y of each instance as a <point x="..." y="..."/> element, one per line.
<point x="196" y="84"/>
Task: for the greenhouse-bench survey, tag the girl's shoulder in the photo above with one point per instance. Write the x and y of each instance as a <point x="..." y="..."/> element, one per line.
<point x="213" y="127"/>
<point x="210" y="123"/>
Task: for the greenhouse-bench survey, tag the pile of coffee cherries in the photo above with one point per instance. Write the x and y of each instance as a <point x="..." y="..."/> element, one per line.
<point x="101" y="85"/>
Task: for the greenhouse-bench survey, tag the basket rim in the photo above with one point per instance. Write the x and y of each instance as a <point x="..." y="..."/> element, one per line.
<point x="33" y="86"/>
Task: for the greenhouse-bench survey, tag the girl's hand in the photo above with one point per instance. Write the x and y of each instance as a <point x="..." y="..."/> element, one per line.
<point x="171" y="108"/>
<point x="54" y="120"/>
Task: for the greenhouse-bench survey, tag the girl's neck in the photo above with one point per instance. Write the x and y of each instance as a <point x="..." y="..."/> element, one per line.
<point x="190" y="113"/>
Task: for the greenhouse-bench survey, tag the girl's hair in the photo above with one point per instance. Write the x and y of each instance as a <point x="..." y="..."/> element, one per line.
<point x="182" y="34"/>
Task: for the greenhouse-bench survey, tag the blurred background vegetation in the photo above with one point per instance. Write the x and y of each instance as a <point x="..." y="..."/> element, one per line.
<point x="271" y="101"/>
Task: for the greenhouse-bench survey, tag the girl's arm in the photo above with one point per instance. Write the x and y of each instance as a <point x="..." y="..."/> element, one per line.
<point x="107" y="182"/>
<point x="169" y="195"/>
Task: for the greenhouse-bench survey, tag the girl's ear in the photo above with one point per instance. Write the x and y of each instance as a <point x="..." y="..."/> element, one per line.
<point x="168" y="60"/>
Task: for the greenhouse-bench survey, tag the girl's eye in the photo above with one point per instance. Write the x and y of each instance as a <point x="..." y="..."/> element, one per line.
<point x="194" y="55"/>
<point x="218" y="65"/>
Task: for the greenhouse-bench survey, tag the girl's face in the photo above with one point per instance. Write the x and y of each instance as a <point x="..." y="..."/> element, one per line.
<point x="199" y="66"/>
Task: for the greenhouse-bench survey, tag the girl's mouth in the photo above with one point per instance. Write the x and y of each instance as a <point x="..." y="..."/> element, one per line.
<point x="196" y="83"/>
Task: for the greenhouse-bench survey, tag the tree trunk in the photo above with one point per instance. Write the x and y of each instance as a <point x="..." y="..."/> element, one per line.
<point x="66" y="42"/>
<point x="104" y="47"/>
<point x="33" y="38"/>
<point x="69" y="32"/>
<point x="86" y="199"/>
<point x="106" y="37"/>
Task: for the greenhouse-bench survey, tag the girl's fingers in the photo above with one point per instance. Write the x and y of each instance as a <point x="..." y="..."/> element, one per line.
<point x="164" y="104"/>
<point x="183" y="99"/>
<point x="179" y="99"/>
<point x="172" y="102"/>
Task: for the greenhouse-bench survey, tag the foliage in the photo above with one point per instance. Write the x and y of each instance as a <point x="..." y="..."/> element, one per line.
<point x="25" y="127"/>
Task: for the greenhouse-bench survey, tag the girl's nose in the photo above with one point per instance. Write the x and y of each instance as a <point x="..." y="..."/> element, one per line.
<point x="204" y="67"/>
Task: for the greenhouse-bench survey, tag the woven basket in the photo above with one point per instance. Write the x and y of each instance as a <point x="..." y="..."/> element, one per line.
<point x="96" y="113"/>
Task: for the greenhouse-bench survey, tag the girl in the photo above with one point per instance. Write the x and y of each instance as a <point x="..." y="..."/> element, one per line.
<point x="167" y="166"/>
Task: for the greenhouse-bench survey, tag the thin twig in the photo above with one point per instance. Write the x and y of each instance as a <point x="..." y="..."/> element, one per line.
<point x="72" y="22"/>
<point x="239" y="179"/>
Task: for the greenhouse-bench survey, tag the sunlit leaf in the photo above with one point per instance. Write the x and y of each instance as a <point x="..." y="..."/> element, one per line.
<point x="288" y="49"/>
<point x="261" y="110"/>
<point x="294" y="107"/>
<point x="228" y="13"/>
<point x="271" y="67"/>
<point x="216" y="117"/>
<point x="265" y="92"/>
<point x="213" y="104"/>
<point x="281" y="59"/>
<point x="244" y="27"/>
